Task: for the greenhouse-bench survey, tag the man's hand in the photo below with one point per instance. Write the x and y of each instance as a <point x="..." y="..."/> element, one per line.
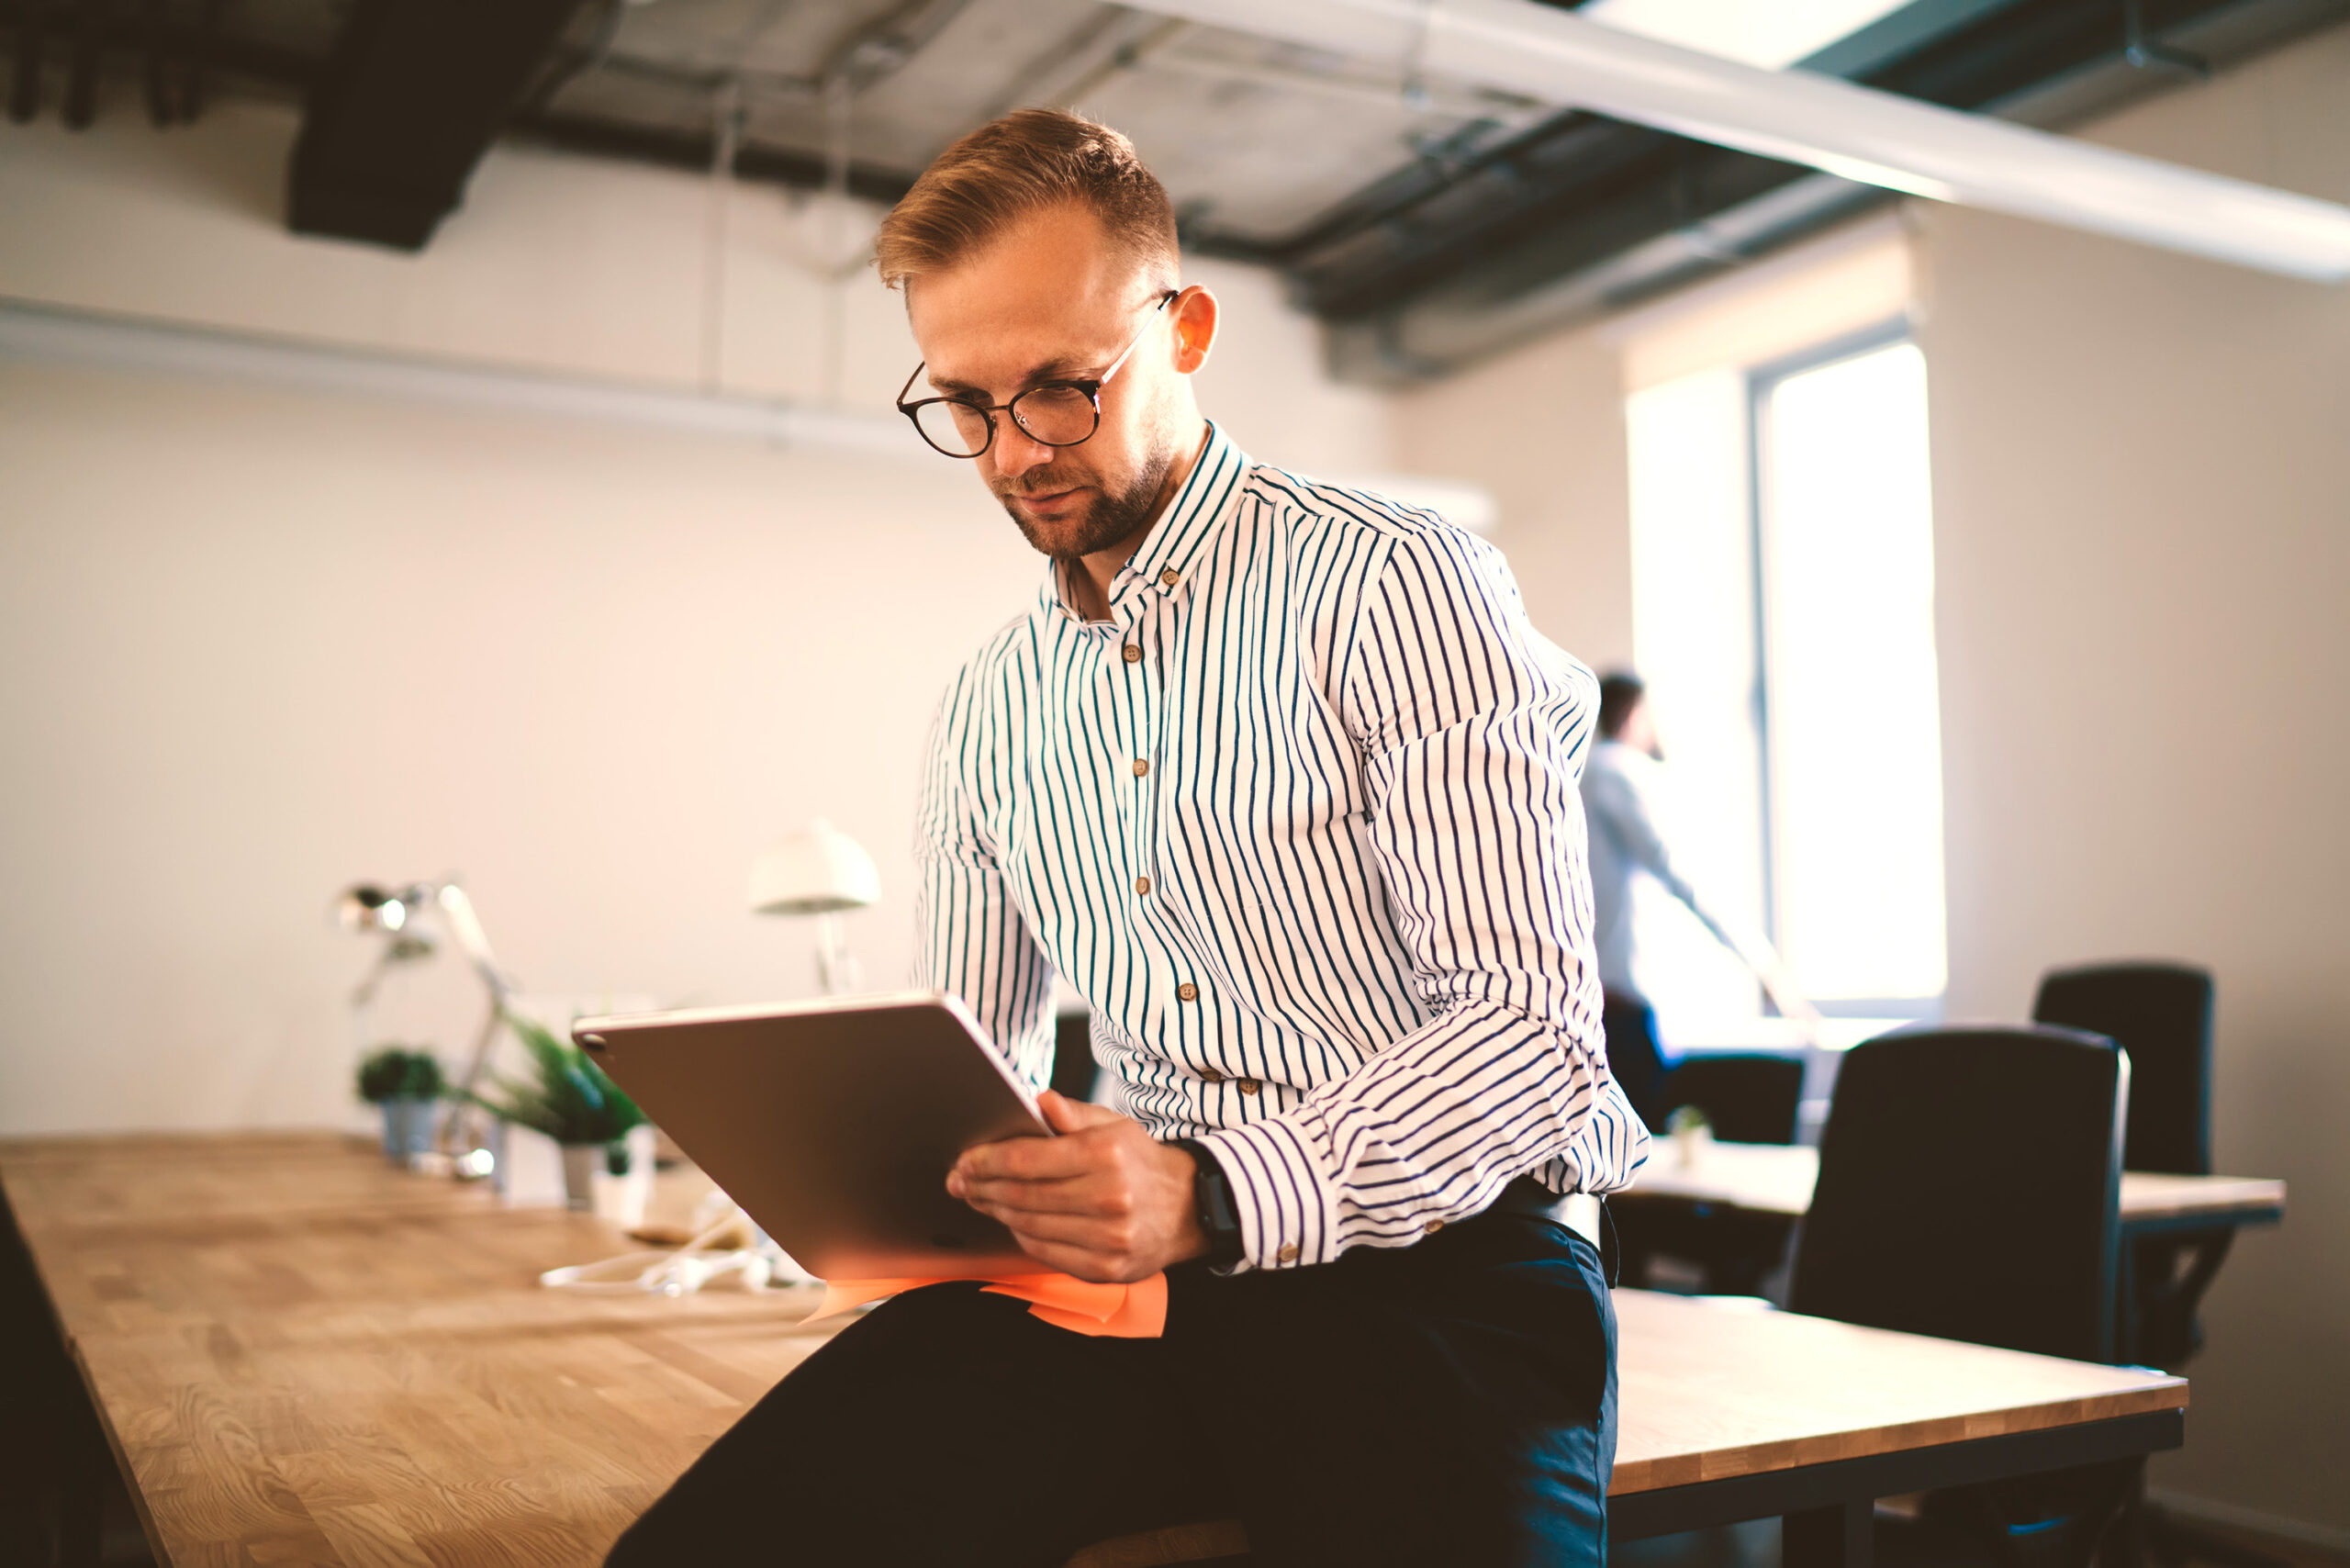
<point x="1104" y="1200"/>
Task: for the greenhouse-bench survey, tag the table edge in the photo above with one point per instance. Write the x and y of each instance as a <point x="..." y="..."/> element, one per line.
<point x="1758" y="1459"/>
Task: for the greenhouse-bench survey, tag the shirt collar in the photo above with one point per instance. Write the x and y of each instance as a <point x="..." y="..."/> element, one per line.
<point x="1177" y="540"/>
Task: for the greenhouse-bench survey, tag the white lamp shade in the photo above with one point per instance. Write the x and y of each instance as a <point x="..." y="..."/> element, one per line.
<point x="818" y="870"/>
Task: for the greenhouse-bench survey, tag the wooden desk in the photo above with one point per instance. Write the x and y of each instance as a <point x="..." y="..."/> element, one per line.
<point x="1777" y="1179"/>
<point x="301" y="1356"/>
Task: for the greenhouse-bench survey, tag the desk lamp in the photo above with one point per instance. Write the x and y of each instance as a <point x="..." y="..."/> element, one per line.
<point x="399" y="914"/>
<point x="821" y="871"/>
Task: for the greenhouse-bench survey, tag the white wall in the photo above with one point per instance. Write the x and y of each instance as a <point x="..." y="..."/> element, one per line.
<point x="2143" y="497"/>
<point x="2143" y="520"/>
<point x="256" y="643"/>
<point x="1543" y="430"/>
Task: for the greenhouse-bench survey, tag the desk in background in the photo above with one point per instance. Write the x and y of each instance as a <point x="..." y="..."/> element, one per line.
<point x="1777" y="1179"/>
<point x="299" y="1355"/>
<point x="1770" y="1184"/>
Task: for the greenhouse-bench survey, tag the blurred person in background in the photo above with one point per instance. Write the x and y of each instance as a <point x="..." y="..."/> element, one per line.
<point x="1619" y="790"/>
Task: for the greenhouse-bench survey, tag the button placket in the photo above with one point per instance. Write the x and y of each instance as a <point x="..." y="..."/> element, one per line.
<point x="1146" y="697"/>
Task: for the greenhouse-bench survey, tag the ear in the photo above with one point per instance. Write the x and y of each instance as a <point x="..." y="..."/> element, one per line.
<point x="1195" y="323"/>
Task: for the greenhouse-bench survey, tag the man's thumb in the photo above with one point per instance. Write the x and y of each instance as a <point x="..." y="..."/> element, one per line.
<point x="1064" y="1114"/>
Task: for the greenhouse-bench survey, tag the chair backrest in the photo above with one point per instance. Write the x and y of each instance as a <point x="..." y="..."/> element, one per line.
<point x="1968" y="1187"/>
<point x="1748" y="1099"/>
<point x="2160" y="1013"/>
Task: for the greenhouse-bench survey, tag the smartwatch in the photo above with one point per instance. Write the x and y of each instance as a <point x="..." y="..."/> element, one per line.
<point x="1211" y="1204"/>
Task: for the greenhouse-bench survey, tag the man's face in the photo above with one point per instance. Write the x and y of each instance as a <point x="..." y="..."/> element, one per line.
<point x="1050" y="300"/>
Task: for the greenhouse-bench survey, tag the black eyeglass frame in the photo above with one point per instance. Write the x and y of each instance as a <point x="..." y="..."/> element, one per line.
<point x="1091" y="386"/>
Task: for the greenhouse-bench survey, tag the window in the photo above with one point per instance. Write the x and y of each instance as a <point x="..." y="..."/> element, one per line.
<point x="1783" y="605"/>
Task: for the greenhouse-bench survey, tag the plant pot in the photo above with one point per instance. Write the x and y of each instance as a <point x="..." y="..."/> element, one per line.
<point x="408" y="1127"/>
<point x="581" y="1162"/>
<point x="623" y="1196"/>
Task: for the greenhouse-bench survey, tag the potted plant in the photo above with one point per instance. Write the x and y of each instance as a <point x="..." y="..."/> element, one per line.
<point x="1693" y="1133"/>
<point x="570" y="1101"/>
<point x="406" y="1084"/>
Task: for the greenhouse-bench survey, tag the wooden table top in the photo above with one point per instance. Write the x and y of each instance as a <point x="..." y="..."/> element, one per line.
<point x="302" y="1354"/>
<point x="1772" y="1177"/>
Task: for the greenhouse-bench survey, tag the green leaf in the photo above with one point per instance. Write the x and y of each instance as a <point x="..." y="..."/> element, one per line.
<point x="571" y="1102"/>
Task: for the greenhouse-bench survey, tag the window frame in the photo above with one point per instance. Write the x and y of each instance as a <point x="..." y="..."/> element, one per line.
<point x="1761" y="379"/>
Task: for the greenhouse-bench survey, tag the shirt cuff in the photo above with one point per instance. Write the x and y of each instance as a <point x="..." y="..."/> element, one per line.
<point x="1284" y="1198"/>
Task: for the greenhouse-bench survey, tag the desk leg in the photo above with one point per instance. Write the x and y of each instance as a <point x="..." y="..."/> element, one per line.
<point x="1839" y="1536"/>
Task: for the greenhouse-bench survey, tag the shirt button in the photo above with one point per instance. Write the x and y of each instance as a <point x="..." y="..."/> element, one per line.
<point x="1288" y="1254"/>
<point x="1142" y="884"/>
<point x="1186" y="991"/>
<point x="1133" y="653"/>
<point x="1141" y="767"/>
<point x="1433" y="1227"/>
<point x="1169" y="577"/>
<point x="1210" y="1075"/>
<point x="1250" y="1086"/>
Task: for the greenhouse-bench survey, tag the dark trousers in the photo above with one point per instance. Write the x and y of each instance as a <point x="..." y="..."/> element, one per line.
<point x="1453" y="1402"/>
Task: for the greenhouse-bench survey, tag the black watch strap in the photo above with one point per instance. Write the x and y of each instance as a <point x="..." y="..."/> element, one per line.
<point x="1212" y="1204"/>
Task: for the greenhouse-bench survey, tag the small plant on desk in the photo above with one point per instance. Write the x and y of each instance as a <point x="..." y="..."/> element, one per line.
<point x="1693" y="1132"/>
<point x="408" y="1085"/>
<point x="570" y="1101"/>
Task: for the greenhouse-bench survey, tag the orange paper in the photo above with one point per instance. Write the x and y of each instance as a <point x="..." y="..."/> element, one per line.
<point x="1137" y="1311"/>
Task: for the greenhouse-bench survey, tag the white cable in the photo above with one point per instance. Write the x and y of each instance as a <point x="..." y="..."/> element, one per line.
<point x="681" y="1272"/>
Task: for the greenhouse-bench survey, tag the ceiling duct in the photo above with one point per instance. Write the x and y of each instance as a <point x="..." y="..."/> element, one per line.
<point x="1856" y="133"/>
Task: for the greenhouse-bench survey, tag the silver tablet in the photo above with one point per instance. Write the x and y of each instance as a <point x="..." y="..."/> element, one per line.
<point x="833" y="1123"/>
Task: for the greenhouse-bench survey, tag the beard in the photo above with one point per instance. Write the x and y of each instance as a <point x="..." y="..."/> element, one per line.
<point x="1113" y="517"/>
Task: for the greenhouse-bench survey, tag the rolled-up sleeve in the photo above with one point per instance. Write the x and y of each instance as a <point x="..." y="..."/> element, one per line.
<point x="1473" y="731"/>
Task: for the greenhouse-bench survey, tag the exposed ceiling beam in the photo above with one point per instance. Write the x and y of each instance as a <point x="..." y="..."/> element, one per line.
<point x="411" y="99"/>
<point x="1874" y="138"/>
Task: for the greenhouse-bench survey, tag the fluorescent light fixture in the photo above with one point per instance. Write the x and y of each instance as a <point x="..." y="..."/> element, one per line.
<point x="1766" y="33"/>
<point x="32" y="331"/>
<point x="1879" y="138"/>
<point x="39" y="333"/>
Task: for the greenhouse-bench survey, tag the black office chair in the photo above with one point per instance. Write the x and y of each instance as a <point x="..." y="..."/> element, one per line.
<point x="2161" y="1015"/>
<point x="1745" y="1099"/>
<point x="1969" y="1188"/>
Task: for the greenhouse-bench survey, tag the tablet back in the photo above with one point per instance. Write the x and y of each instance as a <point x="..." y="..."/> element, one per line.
<point x="833" y="1123"/>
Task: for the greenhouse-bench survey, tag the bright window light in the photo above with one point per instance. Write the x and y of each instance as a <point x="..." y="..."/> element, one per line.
<point x="1783" y="618"/>
<point x="1694" y="640"/>
<point x="1769" y="33"/>
<point x="1852" y="716"/>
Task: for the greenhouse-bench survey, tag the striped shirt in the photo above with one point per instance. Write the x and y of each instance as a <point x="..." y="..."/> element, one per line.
<point x="1299" y="821"/>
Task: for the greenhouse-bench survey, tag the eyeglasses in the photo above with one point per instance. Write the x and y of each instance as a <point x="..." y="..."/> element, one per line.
<point x="1051" y="413"/>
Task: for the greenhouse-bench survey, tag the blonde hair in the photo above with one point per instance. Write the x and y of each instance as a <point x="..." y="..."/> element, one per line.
<point x="1026" y="162"/>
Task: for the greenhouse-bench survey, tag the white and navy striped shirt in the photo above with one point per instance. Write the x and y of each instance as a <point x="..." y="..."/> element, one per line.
<point x="1299" y="821"/>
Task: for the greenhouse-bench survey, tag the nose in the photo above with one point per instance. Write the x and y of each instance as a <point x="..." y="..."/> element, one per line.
<point x="1014" y="451"/>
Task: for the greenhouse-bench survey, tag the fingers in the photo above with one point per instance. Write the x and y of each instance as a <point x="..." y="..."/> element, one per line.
<point x="1027" y="1160"/>
<point x="1086" y="1232"/>
<point x="1078" y="1195"/>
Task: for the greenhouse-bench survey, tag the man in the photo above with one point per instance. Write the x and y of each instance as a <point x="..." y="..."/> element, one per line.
<point x="1278" y="776"/>
<point x="1618" y="787"/>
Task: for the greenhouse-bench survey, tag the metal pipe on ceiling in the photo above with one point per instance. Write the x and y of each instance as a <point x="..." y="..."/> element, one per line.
<point x="1879" y="138"/>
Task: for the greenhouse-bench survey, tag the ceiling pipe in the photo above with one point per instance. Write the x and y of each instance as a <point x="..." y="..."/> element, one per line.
<point x="1878" y="139"/>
